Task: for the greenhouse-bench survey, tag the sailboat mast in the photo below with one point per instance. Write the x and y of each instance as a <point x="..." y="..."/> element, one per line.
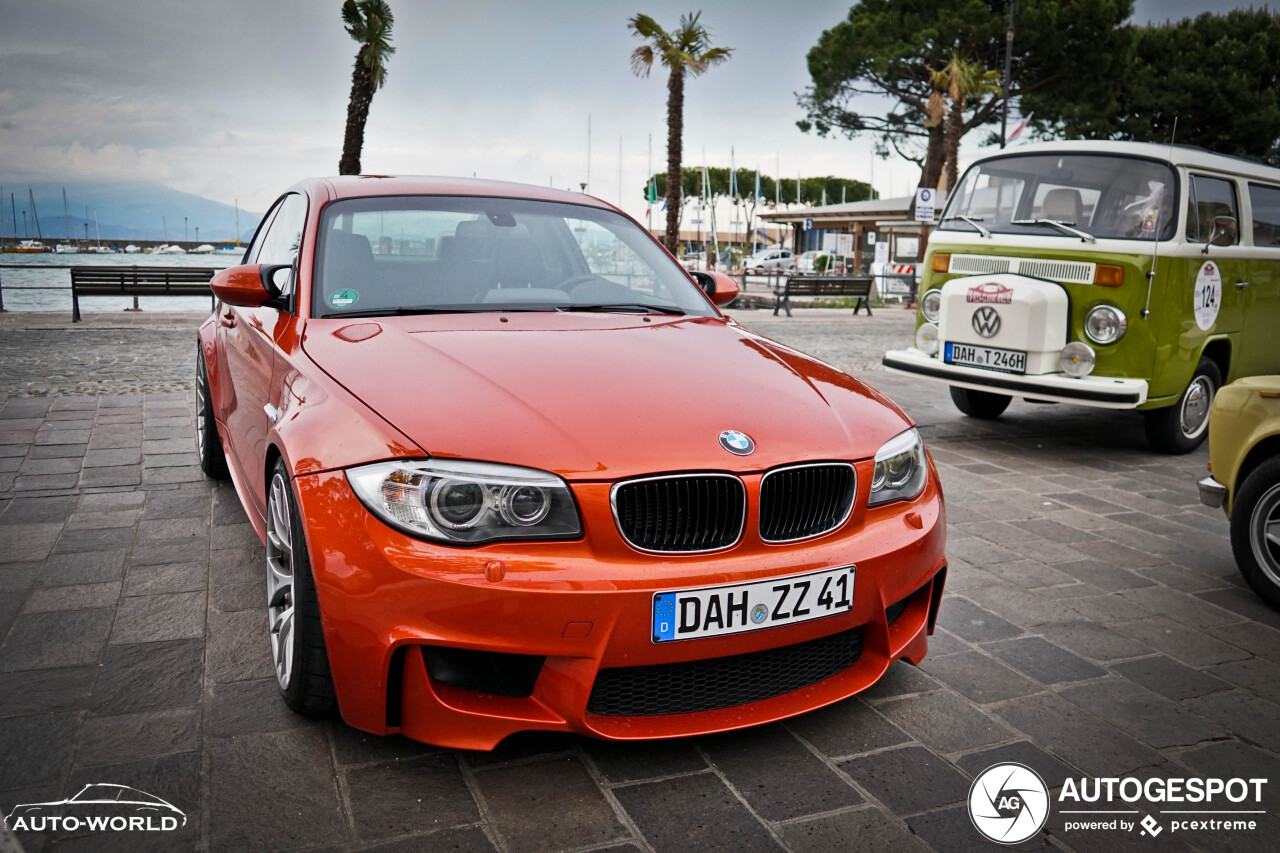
<point x="66" y="216"/>
<point x="237" y="222"/>
<point x="97" y="229"/>
<point x="31" y="196"/>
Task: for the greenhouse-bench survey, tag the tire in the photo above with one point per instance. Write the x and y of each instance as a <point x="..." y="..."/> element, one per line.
<point x="1257" y="507"/>
<point x="213" y="462"/>
<point x="1181" y="428"/>
<point x="980" y="404"/>
<point x="298" y="653"/>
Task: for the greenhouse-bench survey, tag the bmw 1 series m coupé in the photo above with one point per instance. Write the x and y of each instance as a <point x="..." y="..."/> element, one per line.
<point x="514" y="470"/>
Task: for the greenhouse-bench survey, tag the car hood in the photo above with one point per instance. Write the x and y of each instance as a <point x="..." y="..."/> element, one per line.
<point x="600" y="396"/>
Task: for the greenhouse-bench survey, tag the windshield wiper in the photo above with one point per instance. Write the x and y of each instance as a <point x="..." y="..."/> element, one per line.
<point x="622" y="308"/>
<point x="1065" y="227"/>
<point x="971" y="220"/>
<point x="407" y="311"/>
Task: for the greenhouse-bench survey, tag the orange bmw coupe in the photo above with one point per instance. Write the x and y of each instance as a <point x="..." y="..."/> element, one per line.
<point x="514" y="470"/>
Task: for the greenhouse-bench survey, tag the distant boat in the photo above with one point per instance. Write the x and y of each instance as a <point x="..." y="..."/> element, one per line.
<point x="101" y="250"/>
<point x="168" y="249"/>
<point x="132" y="249"/>
<point x="203" y="249"/>
<point x="229" y="250"/>
<point x="27" y="247"/>
<point x="66" y="249"/>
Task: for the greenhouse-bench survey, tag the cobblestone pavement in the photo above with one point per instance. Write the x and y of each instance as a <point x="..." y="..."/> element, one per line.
<point x="1094" y="625"/>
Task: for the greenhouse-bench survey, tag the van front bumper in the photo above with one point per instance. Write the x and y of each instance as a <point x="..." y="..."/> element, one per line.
<point x="1101" y="391"/>
<point x="1212" y="493"/>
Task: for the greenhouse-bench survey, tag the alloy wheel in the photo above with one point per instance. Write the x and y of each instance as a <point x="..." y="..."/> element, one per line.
<point x="1264" y="533"/>
<point x="202" y="402"/>
<point x="280" y="596"/>
<point x="1196" y="403"/>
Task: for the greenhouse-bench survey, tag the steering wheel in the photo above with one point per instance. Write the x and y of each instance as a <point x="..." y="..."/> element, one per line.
<point x="577" y="280"/>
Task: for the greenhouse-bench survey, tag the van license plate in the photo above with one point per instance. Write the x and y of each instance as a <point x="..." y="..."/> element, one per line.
<point x="717" y="610"/>
<point x="1003" y="360"/>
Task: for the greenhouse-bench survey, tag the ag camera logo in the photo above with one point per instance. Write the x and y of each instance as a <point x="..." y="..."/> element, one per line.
<point x="1008" y="803"/>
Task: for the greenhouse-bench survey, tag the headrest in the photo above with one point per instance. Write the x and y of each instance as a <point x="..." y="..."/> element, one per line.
<point x="348" y="261"/>
<point x="1064" y="205"/>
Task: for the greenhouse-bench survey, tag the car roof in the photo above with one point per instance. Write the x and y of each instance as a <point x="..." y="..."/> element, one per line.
<point x="363" y="186"/>
<point x="1178" y="155"/>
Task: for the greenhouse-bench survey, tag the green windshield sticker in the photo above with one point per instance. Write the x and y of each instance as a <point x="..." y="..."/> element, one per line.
<point x="343" y="298"/>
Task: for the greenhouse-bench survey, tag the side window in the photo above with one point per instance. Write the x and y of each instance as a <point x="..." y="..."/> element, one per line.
<point x="284" y="236"/>
<point x="1207" y="198"/>
<point x="1265" y="202"/>
<point x="251" y="256"/>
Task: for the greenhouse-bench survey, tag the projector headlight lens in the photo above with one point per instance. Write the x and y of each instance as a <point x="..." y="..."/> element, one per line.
<point x="927" y="338"/>
<point x="1076" y="359"/>
<point x="931" y="305"/>
<point x="1105" y="324"/>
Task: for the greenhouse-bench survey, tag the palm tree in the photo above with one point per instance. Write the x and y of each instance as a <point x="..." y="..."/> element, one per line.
<point x="961" y="79"/>
<point x="685" y="50"/>
<point x="369" y="23"/>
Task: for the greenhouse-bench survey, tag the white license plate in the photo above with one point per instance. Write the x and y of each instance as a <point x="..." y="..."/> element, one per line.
<point x="1004" y="360"/>
<point x="718" y="610"/>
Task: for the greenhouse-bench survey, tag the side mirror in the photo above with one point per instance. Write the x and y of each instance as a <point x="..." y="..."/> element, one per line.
<point x="249" y="285"/>
<point x="720" y="288"/>
<point x="1225" y="232"/>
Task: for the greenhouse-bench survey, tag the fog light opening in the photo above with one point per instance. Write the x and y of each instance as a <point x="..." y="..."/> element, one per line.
<point x="494" y="673"/>
<point x="1076" y="359"/>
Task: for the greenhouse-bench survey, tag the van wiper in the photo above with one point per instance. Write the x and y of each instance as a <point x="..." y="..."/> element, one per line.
<point x="622" y="308"/>
<point x="1065" y="227"/>
<point x="971" y="220"/>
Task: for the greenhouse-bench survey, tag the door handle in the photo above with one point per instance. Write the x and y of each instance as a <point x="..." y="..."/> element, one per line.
<point x="1241" y="285"/>
<point x="228" y="319"/>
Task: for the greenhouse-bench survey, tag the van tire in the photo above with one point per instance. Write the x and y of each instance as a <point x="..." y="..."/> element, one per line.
<point x="980" y="404"/>
<point x="1257" y="501"/>
<point x="1165" y="429"/>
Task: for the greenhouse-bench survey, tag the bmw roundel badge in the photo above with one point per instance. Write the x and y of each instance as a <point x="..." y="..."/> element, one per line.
<point x="738" y="443"/>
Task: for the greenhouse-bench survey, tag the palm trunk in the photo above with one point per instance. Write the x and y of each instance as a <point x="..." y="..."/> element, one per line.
<point x="955" y="129"/>
<point x="357" y="115"/>
<point x="935" y="155"/>
<point x="675" y="130"/>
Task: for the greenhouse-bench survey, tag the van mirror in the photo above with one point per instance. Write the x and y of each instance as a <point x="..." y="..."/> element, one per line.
<point x="1225" y="232"/>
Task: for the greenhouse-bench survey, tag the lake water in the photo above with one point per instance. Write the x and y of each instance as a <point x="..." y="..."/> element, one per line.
<point x="59" y="299"/>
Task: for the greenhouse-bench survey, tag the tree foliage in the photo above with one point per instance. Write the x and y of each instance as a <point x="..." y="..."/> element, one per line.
<point x="891" y="49"/>
<point x="369" y="23"/>
<point x="811" y="189"/>
<point x="1218" y="74"/>
<point x="683" y="51"/>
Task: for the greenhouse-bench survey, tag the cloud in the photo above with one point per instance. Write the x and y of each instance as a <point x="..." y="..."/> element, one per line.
<point x="79" y="162"/>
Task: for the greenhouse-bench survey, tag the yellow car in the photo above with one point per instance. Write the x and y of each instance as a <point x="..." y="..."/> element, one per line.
<point x="1244" y="479"/>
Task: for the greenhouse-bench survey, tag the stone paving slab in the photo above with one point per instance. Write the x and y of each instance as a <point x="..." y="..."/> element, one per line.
<point x="1094" y="624"/>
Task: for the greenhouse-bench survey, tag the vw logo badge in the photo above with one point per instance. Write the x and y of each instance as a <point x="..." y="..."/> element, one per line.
<point x="738" y="443"/>
<point x="986" y="321"/>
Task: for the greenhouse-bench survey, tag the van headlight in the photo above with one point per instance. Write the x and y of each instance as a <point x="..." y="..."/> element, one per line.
<point x="900" y="471"/>
<point x="467" y="503"/>
<point x="1105" y="324"/>
<point x="931" y="305"/>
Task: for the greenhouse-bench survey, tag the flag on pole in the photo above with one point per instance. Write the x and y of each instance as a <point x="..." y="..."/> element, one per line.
<point x="1022" y="125"/>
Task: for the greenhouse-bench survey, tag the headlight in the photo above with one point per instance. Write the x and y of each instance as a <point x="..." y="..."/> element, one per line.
<point x="1105" y="324"/>
<point x="1076" y="359"/>
<point x="468" y="503"/>
<point x="931" y="305"/>
<point x="900" y="469"/>
<point x="927" y="338"/>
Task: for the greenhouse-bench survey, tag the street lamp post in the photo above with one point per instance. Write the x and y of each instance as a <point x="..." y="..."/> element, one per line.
<point x="184" y="230"/>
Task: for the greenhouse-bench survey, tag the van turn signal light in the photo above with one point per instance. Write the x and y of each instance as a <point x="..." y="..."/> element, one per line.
<point x="1108" y="276"/>
<point x="941" y="262"/>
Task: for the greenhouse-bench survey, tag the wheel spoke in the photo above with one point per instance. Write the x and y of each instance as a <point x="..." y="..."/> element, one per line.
<point x="1272" y="531"/>
<point x="282" y="646"/>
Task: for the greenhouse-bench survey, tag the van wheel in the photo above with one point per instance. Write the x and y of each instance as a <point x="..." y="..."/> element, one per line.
<point x="1255" y="530"/>
<point x="980" y="404"/>
<point x="1181" y="427"/>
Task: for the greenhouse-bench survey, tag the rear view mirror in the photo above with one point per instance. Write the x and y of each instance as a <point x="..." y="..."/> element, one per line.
<point x="1225" y="232"/>
<point x="251" y="285"/>
<point x="720" y="288"/>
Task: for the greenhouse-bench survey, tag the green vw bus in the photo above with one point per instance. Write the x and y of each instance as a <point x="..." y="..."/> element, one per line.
<point x="1123" y="275"/>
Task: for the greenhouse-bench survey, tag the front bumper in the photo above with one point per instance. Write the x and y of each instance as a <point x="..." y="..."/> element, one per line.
<point x="585" y="606"/>
<point x="1100" y="391"/>
<point x="1212" y="493"/>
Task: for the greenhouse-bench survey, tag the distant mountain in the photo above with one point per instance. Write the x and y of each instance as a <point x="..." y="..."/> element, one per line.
<point x="125" y="211"/>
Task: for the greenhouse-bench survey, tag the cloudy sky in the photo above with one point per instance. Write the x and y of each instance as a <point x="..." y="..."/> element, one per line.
<point x="236" y="99"/>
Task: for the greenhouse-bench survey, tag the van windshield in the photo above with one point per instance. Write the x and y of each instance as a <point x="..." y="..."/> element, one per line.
<point x="1125" y="198"/>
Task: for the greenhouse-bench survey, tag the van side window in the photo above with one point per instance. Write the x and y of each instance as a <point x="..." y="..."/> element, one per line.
<point x="1208" y="197"/>
<point x="1265" y="202"/>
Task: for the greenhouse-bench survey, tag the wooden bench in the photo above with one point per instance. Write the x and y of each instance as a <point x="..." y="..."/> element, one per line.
<point x="137" y="281"/>
<point x="824" y="286"/>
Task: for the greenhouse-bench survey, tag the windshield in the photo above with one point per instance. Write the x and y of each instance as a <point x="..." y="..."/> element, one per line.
<point x="1125" y="198"/>
<point x="426" y="254"/>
